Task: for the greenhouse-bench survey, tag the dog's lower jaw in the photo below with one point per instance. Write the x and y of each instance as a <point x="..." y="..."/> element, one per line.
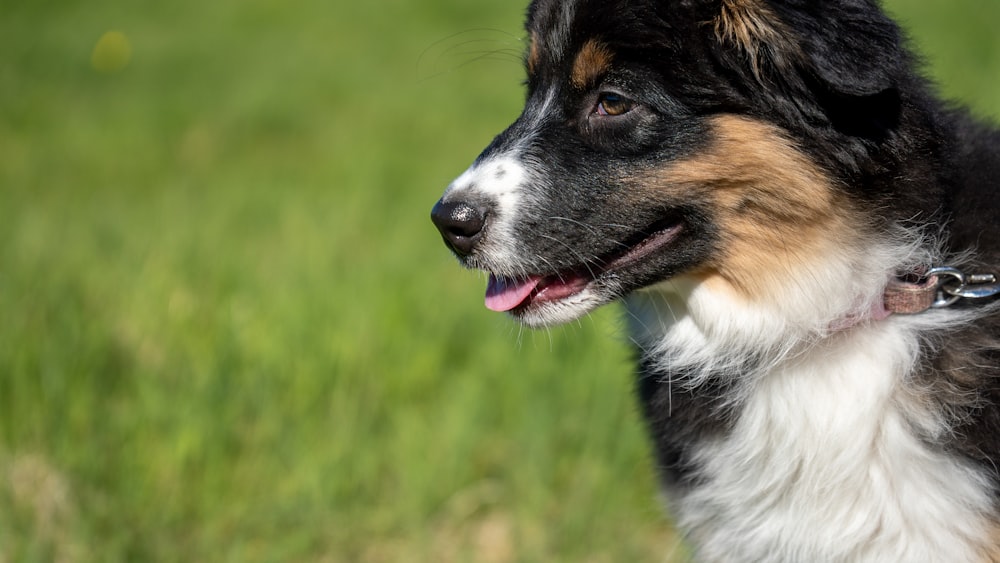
<point x="544" y="314"/>
<point x="562" y="296"/>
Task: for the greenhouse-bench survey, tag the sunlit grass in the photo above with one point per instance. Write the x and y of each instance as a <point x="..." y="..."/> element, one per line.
<point x="229" y="331"/>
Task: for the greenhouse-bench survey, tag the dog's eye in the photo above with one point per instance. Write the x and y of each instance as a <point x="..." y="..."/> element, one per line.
<point x="610" y="104"/>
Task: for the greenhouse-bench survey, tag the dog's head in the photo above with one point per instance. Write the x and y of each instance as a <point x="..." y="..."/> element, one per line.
<point x="735" y="141"/>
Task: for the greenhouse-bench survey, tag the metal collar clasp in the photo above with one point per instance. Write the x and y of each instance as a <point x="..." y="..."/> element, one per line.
<point x="953" y="284"/>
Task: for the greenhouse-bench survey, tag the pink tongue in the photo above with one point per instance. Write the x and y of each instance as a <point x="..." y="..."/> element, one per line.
<point x="504" y="294"/>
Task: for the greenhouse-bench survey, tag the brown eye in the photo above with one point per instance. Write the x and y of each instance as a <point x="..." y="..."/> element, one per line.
<point x="610" y="104"/>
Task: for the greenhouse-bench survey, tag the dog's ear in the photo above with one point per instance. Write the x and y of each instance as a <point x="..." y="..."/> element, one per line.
<point x="850" y="46"/>
<point x="846" y="53"/>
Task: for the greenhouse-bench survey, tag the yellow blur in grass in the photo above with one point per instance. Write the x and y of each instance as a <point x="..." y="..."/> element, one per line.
<point x="111" y="53"/>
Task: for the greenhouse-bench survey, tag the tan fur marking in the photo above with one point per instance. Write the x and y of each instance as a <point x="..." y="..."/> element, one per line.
<point x="593" y="60"/>
<point x="777" y="211"/>
<point x="533" y="54"/>
<point x="752" y="27"/>
<point x="991" y="552"/>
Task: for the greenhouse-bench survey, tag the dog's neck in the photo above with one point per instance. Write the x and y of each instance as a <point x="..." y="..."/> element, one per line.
<point x="822" y="446"/>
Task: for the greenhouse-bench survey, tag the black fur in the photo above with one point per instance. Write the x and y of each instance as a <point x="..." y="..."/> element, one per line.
<point x="679" y="417"/>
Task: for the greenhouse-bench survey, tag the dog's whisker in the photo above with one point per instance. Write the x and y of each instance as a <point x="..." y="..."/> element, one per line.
<point x="509" y="49"/>
<point x="583" y="261"/>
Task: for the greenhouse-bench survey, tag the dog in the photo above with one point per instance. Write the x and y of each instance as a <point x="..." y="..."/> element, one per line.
<point x="807" y="243"/>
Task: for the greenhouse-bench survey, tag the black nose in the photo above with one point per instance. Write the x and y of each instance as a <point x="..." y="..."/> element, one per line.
<point x="461" y="224"/>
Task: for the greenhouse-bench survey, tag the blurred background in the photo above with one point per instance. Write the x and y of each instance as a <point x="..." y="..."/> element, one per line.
<point x="228" y="330"/>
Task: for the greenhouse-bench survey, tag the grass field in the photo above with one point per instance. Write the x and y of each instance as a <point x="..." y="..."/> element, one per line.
<point x="228" y="331"/>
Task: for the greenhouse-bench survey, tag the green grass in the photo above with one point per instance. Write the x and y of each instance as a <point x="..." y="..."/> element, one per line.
<point x="228" y="331"/>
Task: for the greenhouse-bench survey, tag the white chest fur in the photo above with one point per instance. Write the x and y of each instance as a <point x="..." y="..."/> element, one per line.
<point x="826" y="461"/>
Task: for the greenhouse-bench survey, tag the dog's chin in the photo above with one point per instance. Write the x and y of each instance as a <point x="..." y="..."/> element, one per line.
<point x="546" y="312"/>
<point x="542" y="300"/>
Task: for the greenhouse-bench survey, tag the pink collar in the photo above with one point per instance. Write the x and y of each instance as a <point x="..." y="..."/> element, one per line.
<point x="918" y="292"/>
<point x="908" y="295"/>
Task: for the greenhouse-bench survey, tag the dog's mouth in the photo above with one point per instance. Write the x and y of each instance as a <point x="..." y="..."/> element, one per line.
<point x="518" y="295"/>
